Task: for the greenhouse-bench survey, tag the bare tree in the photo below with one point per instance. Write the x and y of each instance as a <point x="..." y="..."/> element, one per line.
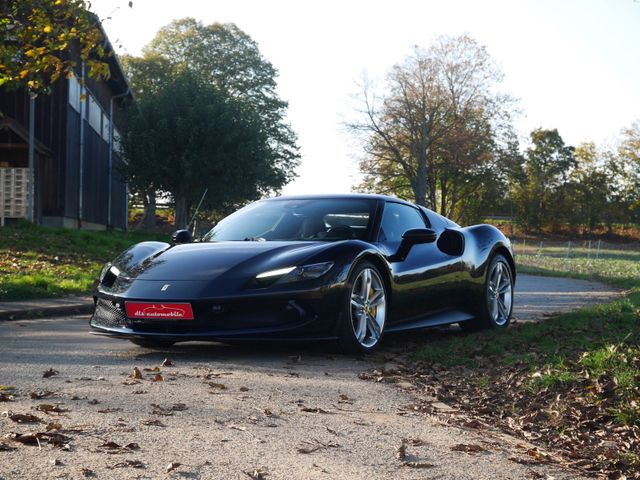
<point x="433" y="135"/>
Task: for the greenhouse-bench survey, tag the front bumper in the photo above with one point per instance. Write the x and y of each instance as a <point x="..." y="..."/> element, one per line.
<point x="308" y="315"/>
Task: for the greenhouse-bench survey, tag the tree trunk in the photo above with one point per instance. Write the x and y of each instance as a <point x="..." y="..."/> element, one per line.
<point x="148" y="219"/>
<point x="181" y="213"/>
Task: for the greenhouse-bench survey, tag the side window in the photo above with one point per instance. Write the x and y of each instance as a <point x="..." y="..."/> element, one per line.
<point x="397" y="219"/>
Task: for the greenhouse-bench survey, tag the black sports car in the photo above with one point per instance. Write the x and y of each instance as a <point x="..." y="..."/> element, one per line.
<point x="335" y="267"/>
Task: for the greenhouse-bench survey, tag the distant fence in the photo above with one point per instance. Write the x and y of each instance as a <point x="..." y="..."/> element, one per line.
<point x="591" y="258"/>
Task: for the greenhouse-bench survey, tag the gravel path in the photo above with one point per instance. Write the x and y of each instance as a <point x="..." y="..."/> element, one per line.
<point x="227" y="412"/>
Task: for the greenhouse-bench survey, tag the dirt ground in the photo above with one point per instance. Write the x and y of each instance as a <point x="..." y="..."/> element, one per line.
<point x="241" y="411"/>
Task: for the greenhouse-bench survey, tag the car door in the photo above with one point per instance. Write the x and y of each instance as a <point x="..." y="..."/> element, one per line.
<point x="423" y="280"/>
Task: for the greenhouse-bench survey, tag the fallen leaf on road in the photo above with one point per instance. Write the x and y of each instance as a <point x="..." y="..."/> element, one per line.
<point x="401" y="451"/>
<point x="93" y="402"/>
<point x="314" y="446"/>
<point x="158" y="378"/>
<point x="49" y="409"/>
<point x="24" y="438"/>
<point x="55" y="439"/>
<point x="50" y="373"/>
<point x="42" y="394"/>
<point x="166" y="363"/>
<point x="113" y="447"/>
<point x="128" y="463"/>
<point x="6" y="398"/>
<point x="172" y="466"/>
<point x="473" y="424"/>
<point x="153" y="423"/>
<point x="159" y="410"/>
<point x="6" y="448"/>
<point x="22" y="417"/>
<point x="257" y="474"/>
<point x="110" y="410"/>
<point x="219" y="386"/>
<point x="314" y="410"/>
<point x="468" y="448"/>
<point x="137" y="374"/>
<point x="418" y="464"/>
<point x="86" y="472"/>
<point x="345" y="399"/>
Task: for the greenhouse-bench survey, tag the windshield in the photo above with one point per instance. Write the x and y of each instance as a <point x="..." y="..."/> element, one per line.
<point x="304" y="219"/>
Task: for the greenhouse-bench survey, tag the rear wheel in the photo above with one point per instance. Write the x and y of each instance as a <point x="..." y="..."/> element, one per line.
<point x="152" y="344"/>
<point x="497" y="301"/>
<point x="365" y="311"/>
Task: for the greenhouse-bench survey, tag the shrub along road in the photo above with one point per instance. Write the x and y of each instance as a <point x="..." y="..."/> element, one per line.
<point x="77" y="406"/>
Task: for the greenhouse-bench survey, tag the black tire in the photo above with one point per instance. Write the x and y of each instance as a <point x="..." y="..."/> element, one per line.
<point x="496" y="308"/>
<point x="152" y="344"/>
<point x="372" y="309"/>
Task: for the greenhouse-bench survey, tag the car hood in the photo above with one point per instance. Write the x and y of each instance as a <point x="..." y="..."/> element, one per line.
<point x="209" y="261"/>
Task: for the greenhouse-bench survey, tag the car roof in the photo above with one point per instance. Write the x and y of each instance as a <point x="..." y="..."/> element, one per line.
<point x="338" y="196"/>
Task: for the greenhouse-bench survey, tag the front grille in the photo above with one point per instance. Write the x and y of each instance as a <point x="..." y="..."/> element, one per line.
<point x="108" y="315"/>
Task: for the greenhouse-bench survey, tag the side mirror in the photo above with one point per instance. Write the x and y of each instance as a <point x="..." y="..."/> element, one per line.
<point x="410" y="238"/>
<point x="419" y="235"/>
<point x="181" y="236"/>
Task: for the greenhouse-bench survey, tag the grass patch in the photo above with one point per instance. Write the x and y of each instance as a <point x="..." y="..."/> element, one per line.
<point x="572" y="383"/>
<point x="619" y="268"/>
<point x="40" y="262"/>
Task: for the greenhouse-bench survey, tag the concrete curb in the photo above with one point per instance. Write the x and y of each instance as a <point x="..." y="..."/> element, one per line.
<point x="46" y="308"/>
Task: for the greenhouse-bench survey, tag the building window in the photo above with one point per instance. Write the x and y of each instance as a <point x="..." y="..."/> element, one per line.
<point x="95" y="115"/>
<point x="74" y="93"/>
<point x="105" y="128"/>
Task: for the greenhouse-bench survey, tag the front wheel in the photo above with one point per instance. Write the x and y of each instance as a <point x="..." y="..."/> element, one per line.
<point x="365" y="311"/>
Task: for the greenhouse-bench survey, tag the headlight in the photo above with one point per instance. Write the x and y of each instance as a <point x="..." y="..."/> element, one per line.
<point x="293" y="274"/>
<point x="109" y="274"/>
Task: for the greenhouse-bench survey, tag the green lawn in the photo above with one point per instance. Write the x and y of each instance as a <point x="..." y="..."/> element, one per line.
<point x="571" y="383"/>
<point x="39" y="262"/>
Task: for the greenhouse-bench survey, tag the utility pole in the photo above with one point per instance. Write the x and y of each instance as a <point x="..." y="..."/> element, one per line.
<point x="32" y="122"/>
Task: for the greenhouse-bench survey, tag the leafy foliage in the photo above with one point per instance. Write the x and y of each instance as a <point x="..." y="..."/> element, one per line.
<point x="37" y="38"/>
<point x="587" y="186"/>
<point x="543" y="178"/>
<point x="189" y="137"/>
<point x="245" y="117"/>
<point x="438" y="133"/>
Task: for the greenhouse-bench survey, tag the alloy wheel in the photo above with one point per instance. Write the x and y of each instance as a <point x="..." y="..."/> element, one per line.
<point x="500" y="293"/>
<point x="368" y="307"/>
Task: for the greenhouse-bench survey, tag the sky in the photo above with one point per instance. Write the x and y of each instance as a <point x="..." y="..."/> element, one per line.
<point x="573" y="65"/>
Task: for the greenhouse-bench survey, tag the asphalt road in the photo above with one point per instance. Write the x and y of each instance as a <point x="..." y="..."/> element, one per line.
<point x="231" y="411"/>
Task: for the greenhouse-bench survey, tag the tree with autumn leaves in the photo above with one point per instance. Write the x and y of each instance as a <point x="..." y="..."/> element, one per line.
<point x="37" y="36"/>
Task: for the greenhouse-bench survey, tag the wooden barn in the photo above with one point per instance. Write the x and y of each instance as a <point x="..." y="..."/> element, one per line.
<point x="77" y="167"/>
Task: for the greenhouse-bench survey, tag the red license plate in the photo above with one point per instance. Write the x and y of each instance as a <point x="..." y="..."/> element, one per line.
<point x="159" y="311"/>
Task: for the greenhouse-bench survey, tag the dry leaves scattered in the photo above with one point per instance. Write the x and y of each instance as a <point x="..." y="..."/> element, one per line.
<point x="315" y="445"/>
<point x="50" y="373"/>
<point x="574" y="420"/>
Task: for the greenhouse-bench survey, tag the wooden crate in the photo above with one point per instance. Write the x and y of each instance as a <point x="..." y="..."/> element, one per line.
<point x="14" y="193"/>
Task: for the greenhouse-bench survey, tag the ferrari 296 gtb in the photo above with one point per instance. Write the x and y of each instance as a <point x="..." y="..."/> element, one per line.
<point x="348" y="268"/>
